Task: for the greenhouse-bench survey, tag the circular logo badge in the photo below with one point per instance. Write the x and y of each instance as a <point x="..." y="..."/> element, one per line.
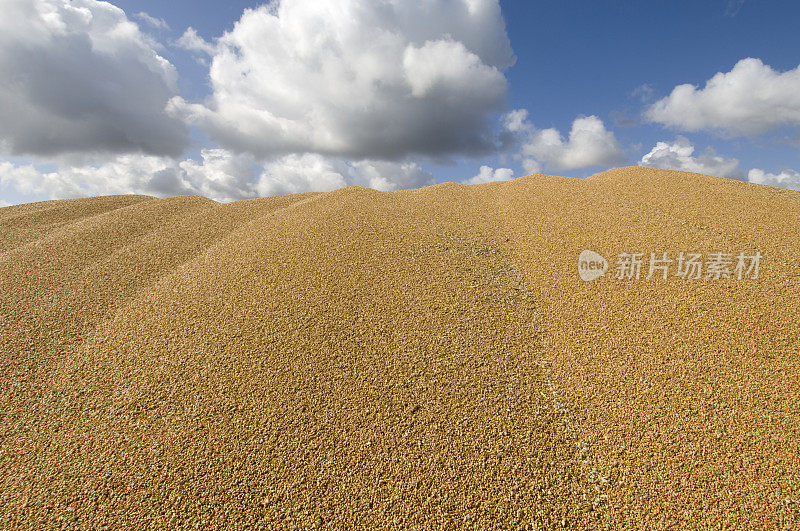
<point x="591" y="265"/>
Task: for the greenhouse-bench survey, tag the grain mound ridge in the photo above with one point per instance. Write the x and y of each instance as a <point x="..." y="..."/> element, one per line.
<point x="424" y="358"/>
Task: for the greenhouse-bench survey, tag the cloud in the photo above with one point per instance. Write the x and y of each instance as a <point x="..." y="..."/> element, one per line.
<point x="79" y="76"/>
<point x="222" y="175"/>
<point x="361" y="80"/>
<point x="157" y="23"/>
<point x="678" y="155"/>
<point x="516" y="121"/>
<point x="624" y="118"/>
<point x="487" y="175"/>
<point x="387" y="175"/>
<point x="191" y="41"/>
<point x="733" y="7"/>
<point x="302" y="173"/>
<point x="70" y="182"/>
<point x="785" y="179"/>
<point x="219" y="174"/>
<point x="531" y="166"/>
<point x="312" y="172"/>
<point x="750" y="99"/>
<point x="589" y="144"/>
<point x="643" y="92"/>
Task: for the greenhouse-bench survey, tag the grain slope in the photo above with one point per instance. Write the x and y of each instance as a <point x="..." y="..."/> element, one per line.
<point x="420" y="358"/>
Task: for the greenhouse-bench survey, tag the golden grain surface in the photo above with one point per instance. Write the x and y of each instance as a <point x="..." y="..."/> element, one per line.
<point x="426" y="358"/>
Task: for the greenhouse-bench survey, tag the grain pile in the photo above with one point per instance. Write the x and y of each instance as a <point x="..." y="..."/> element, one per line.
<point x="425" y="358"/>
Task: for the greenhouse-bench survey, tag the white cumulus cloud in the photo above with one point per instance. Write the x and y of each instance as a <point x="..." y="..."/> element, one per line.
<point x="312" y="172"/>
<point x="362" y="80"/>
<point x="191" y="41"/>
<point x="79" y="76"/>
<point x="487" y="174"/>
<point x="388" y="175"/>
<point x="588" y="144"/>
<point x="750" y="99"/>
<point x="124" y="174"/>
<point x="157" y="23"/>
<point x="293" y="174"/>
<point x="785" y="179"/>
<point x="679" y="155"/>
<point x="220" y="175"/>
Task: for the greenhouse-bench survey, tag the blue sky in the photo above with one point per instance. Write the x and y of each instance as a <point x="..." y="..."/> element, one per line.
<point x="493" y="94"/>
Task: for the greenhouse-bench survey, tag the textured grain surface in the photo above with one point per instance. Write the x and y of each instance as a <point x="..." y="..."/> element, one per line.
<point x="426" y="358"/>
